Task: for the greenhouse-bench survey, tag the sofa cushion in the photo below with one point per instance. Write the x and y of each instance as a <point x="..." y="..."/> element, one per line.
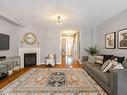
<point x="102" y="76"/>
<point x="96" y="70"/>
<point x="107" y="57"/>
<point x="125" y="63"/>
<point x="85" y="63"/>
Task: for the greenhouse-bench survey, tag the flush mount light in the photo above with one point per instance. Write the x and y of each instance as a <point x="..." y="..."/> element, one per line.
<point x="59" y="20"/>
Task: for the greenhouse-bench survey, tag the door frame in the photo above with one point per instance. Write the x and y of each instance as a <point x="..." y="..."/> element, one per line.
<point x="79" y="35"/>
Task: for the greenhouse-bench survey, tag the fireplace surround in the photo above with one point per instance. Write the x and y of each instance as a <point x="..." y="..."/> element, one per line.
<point x="23" y="51"/>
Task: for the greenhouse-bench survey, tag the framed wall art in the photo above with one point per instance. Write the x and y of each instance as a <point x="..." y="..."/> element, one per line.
<point x="122" y="39"/>
<point x="110" y="40"/>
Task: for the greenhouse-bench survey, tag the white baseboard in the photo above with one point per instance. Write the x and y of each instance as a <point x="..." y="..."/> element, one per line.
<point x="41" y="63"/>
<point x="44" y="63"/>
<point x="58" y="63"/>
<point x="80" y="61"/>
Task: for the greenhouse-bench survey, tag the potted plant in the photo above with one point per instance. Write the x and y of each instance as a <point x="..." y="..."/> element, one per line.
<point x="92" y="51"/>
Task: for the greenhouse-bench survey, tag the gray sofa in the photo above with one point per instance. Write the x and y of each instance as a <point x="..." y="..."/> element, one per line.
<point x="113" y="82"/>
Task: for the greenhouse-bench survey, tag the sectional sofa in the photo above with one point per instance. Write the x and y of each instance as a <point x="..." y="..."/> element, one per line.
<point x="114" y="82"/>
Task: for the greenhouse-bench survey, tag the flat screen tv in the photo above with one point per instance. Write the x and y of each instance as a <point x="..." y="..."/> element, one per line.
<point x="4" y="41"/>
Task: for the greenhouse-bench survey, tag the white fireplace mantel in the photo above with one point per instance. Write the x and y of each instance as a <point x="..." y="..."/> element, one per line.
<point x="22" y="51"/>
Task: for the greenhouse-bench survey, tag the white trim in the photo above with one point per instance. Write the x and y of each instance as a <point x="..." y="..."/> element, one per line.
<point x="79" y="46"/>
<point x="22" y="51"/>
<point x="80" y="61"/>
<point x="58" y="63"/>
<point x="60" y="49"/>
<point x="44" y="63"/>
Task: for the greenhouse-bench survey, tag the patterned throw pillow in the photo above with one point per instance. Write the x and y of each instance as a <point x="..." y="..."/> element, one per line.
<point x="99" y="59"/>
<point x="120" y="59"/>
<point x="114" y="62"/>
<point x="119" y="66"/>
<point x="106" y="66"/>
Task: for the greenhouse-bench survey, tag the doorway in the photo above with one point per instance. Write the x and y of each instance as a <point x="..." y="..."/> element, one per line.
<point x="70" y="48"/>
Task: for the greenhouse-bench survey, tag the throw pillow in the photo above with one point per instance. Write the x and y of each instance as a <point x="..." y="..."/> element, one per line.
<point x="99" y="59"/>
<point x="91" y="59"/>
<point x="119" y="66"/>
<point x="106" y="66"/>
<point x="120" y="59"/>
<point x="125" y="63"/>
<point x="107" y="57"/>
<point x="115" y="62"/>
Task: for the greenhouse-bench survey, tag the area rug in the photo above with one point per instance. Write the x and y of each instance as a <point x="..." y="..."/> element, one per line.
<point x="39" y="81"/>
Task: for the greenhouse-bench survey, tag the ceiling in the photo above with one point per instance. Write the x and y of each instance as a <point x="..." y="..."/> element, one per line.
<point x="76" y="13"/>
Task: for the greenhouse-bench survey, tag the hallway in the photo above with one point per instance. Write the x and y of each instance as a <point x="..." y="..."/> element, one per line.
<point x="70" y="48"/>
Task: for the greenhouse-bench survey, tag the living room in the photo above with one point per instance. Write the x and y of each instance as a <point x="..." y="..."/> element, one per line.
<point x="35" y="26"/>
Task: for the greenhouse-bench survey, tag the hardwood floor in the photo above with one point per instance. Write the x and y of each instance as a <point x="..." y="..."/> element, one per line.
<point x="69" y="62"/>
<point x="16" y="74"/>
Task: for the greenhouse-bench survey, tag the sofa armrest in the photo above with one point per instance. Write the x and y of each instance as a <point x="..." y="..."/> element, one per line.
<point x="118" y="81"/>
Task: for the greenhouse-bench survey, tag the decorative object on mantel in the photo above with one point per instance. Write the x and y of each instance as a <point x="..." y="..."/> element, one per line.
<point x="30" y="38"/>
<point x="110" y="40"/>
<point x="122" y="38"/>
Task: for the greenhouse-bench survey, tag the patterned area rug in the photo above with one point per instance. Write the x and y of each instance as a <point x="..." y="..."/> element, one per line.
<point x="40" y="81"/>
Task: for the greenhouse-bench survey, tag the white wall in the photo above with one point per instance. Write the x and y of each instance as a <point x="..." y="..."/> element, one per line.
<point x="8" y="29"/>
<point x="49" y="40"/>
<point x="112" y="25"/>
<point x="85" y="39"/>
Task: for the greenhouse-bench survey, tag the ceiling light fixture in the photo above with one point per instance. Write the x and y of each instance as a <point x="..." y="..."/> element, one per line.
<point x="59" y="20"/>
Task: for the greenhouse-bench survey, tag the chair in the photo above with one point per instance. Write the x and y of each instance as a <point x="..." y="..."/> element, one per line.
<point x="50" y="60"/>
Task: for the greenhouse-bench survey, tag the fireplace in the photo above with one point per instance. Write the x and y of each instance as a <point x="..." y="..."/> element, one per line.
<point x="29" y="59"/>
<point x="23" y="51"/>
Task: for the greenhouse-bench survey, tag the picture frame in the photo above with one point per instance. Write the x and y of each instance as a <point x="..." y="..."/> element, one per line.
<point x="122" y="39"/>
<point x="110" y="40"/>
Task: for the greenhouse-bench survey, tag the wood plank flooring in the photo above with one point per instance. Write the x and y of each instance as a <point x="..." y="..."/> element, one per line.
<point x="16" y="74"/>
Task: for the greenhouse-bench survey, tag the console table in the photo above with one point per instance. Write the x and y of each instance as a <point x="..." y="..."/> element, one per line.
<point x="8" y="65"/>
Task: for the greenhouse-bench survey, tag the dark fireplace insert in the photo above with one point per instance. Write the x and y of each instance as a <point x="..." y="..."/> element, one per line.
<point x="29" y="59"/>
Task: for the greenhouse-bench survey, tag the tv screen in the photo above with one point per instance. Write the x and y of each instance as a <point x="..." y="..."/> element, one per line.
<point x="4" y="41"/>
